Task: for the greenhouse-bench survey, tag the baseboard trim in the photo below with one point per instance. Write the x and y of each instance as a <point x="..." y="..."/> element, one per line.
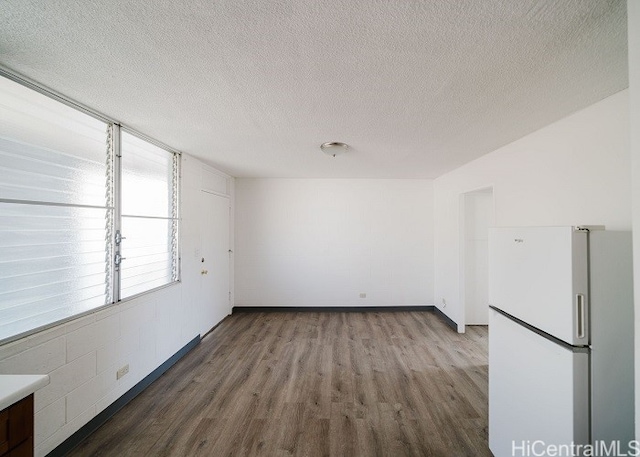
<point x="345" y="309"/>
<point x="117" y="405"/>
<point x="329" y="309"/>
<point x="450" y="322"/>
<point x="215" y="327"/>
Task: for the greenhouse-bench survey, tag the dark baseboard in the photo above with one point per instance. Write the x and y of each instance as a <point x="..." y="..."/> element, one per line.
<point x="344" y="309"/>
<point x="329" y="309"/>
<point x="450" y="322"/>
<point x="215" y="326"/>
<point x="117" y="405"/>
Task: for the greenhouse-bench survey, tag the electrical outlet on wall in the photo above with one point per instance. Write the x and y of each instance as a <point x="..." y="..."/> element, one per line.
<point x="363" y="295"/>
<point x="122" y="371"/>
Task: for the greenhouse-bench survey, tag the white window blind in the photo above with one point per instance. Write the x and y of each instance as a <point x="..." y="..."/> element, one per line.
<point x="88" y="212"/>
<point x="53" y="211"/>
<point x="149" y="216"/>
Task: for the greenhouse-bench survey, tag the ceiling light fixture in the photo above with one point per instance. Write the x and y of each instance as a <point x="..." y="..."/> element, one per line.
<point x="333" y="148"/>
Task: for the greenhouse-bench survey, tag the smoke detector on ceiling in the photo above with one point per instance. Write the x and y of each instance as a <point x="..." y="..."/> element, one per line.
<point x="333" y="148"/>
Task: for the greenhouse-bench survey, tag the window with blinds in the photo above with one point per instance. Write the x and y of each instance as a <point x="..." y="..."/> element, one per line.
<point x="63" y="200"/>
<point x="53" y="168"/>
<point x="149" y="216"/>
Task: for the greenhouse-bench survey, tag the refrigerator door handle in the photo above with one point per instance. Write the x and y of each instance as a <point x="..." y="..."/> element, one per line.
<point x="580" y="316"/>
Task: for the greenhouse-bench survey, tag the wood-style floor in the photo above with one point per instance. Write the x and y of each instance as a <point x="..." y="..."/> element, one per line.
<point x="313" y="384"/>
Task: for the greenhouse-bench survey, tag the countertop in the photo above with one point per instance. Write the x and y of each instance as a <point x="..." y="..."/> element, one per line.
<point x="14" y="388"/>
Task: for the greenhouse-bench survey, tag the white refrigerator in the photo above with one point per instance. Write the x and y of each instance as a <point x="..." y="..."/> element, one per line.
<point x="560" y="340"/>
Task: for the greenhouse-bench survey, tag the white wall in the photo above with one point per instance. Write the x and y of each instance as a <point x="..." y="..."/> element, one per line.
<point x="322" y="242"/>
<point x="633" y="15"/>
<point x="572" y="172"/>
<point x="82" y="356"/>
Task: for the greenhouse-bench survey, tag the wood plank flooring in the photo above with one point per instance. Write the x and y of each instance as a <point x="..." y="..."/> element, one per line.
<point x="313" y="384"/>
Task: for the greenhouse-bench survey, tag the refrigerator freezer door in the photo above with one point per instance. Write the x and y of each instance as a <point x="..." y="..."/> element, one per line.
<point x="540" y="276"/>
<point x="538" y="390"/>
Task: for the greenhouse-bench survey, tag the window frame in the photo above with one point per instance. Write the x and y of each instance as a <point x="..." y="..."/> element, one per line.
<point x="113" y="138"/>
<point x="118" y="216"/>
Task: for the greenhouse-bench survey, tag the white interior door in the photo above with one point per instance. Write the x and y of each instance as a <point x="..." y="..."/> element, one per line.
<point x="478" y="216"/>
<point x="214" y="234"/>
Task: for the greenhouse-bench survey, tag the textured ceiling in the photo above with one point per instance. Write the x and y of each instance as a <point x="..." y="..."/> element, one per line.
<point x="417" y="88"/>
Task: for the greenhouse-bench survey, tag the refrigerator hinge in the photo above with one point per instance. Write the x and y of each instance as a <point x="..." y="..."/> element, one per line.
<point x="589" y="228"/>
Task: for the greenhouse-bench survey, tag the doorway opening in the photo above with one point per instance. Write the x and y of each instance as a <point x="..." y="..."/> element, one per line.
<point x="477" y="215"/>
